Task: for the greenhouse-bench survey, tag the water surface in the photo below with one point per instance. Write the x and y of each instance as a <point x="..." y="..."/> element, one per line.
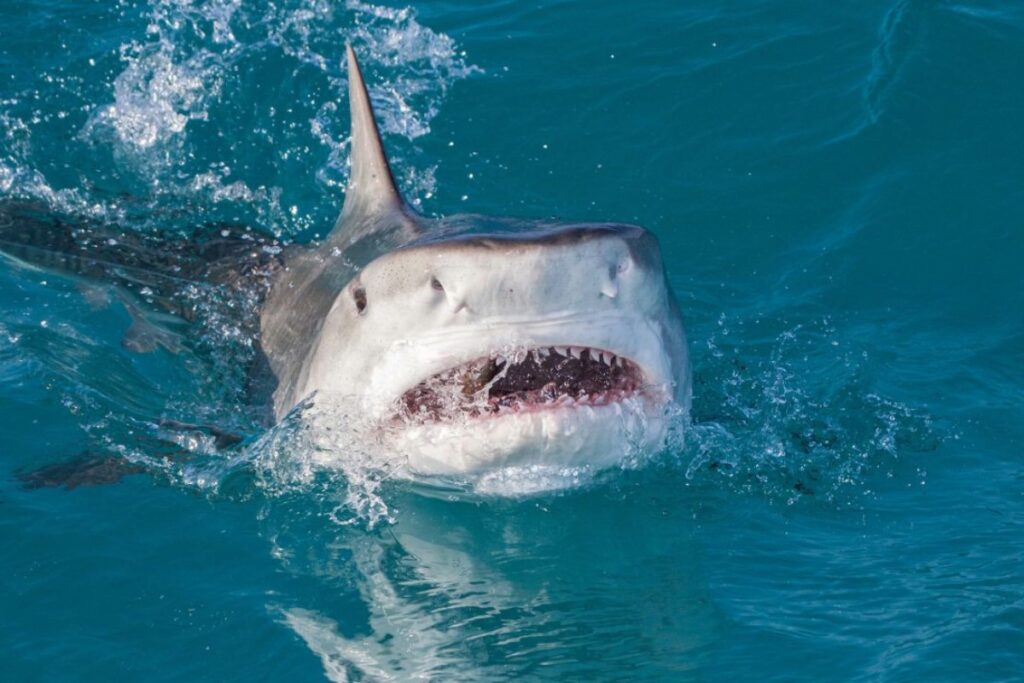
<point x="839" y="194"/>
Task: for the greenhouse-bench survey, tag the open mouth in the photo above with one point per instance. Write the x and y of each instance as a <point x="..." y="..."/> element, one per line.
<point x="534" y="379"/>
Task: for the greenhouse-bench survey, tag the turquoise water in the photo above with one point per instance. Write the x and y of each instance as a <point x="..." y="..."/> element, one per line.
<point x="838" y="189"/>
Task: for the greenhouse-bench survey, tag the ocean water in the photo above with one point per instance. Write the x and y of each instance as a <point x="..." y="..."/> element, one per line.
<point x="838" y="189"/>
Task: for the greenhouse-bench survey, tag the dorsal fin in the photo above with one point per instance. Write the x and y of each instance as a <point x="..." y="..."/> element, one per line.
<point x="371" y="187"/>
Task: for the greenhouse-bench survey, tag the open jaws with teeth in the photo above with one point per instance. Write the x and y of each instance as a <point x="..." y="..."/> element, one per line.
<point x="534" y="379"/>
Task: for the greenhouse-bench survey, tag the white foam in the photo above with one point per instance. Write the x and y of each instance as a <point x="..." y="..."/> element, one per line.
<point x="155" y="97"/>
<point x="181" y="71"/>
<point x="350" y="459"/>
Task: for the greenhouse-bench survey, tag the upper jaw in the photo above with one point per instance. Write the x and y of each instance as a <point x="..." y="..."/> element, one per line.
<point x="410" y="361"/>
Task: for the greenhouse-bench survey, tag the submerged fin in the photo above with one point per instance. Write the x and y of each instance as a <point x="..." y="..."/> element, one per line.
<point x="97" y="468"/>
<point x="96" y="296"/>
<point x="371" y="187"/>
<point x="144" y="335"/>
<point x="87" y="469"/>
<point x="222" y="439"/>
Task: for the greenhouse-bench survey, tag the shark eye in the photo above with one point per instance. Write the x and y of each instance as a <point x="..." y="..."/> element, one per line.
<point x="436" y="284"/>
<point x="359" y="295"/>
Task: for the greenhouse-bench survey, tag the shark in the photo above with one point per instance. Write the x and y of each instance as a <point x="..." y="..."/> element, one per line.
<point x="469" y="342"/>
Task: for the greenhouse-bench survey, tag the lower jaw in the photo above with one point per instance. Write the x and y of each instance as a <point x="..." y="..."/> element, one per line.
<point x="593" y="436"/>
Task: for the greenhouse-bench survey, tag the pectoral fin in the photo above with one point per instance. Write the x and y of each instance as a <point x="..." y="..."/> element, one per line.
<point x="96" y="296"/>
<point x="145" y="335"/>
<point x="87" y="469"/>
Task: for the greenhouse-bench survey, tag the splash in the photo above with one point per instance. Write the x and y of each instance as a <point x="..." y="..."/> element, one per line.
<point x="156" y="97"/>
<point x="179" y="121"/>
<point x="332" y="458"/>
<point x="343" y="457"/>
<point x="795" y="427"/>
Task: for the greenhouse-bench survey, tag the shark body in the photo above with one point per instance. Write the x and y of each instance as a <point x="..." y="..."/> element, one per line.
<point x="473" y="342"/>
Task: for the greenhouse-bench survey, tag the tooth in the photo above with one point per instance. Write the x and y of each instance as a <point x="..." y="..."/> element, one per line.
<point x="607" y="358"/>
<point x="561" y="350"/>
<point x="543" y="353"/>
<point x="575" y="352"/>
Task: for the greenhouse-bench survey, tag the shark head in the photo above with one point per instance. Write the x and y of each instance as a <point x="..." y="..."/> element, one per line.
<point x="475" y="342"/>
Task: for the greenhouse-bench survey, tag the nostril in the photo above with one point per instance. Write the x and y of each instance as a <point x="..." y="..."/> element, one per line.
<point x="610" y="288"/>
<point x="436" y="284"/>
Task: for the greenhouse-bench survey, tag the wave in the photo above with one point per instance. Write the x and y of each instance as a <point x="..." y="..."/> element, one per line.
<point x="899" y="38"/>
